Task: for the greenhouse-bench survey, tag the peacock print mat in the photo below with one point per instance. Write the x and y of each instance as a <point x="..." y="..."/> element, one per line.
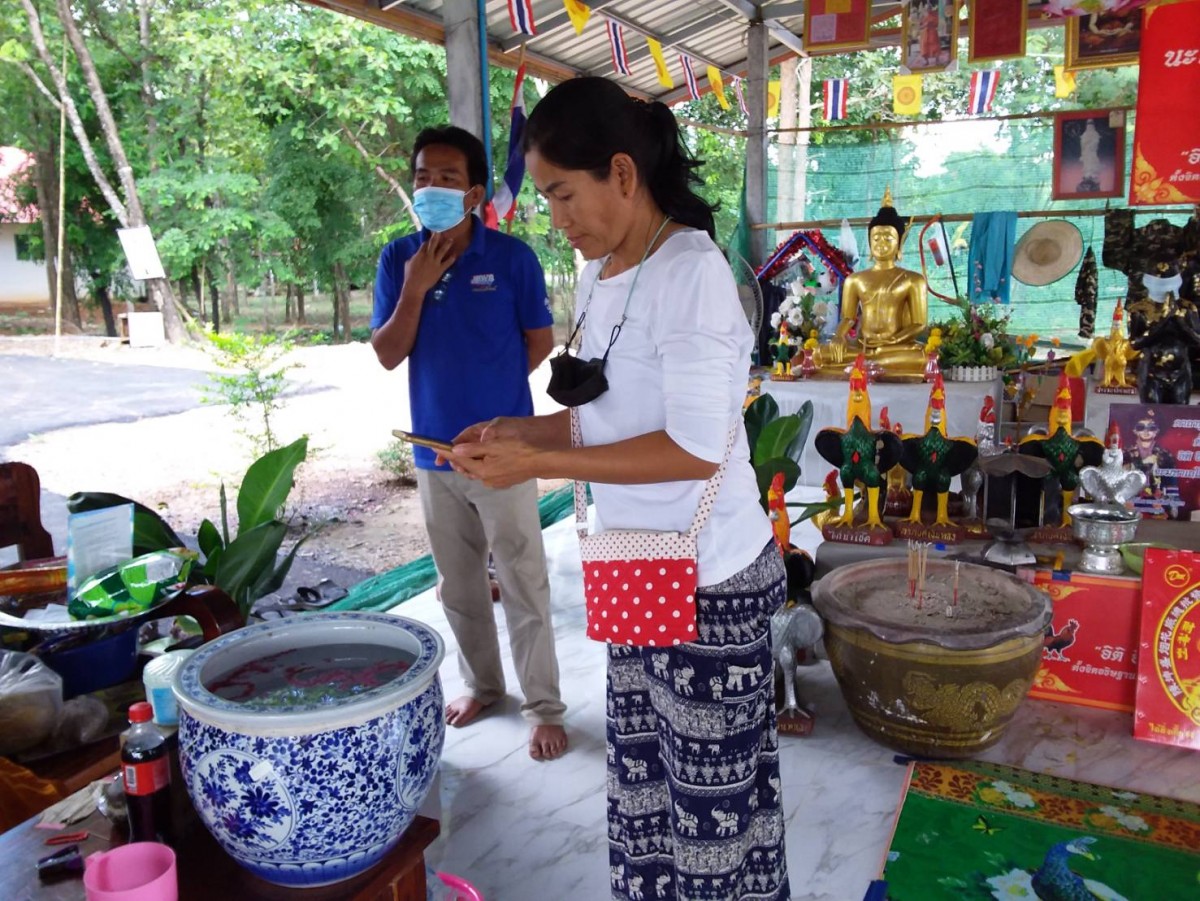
<point x="974" y="830"/>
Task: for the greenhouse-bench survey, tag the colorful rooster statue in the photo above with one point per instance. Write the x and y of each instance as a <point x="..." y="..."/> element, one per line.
<point x="861" y="455"/>
<point x="934" y="459"/>
<point x="1066" y="452"/>
<point x="778" y="513"/>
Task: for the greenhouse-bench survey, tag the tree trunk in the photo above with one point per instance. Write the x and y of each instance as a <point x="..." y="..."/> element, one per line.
<point x="300" y="319"/>
<point x="214" y="302"/>
<point x="148" y="101"/>
<point x="229" y="299"/>
<point x="101" y="296"/>
<point x="159" y="289"/>
<point x="45" y="175"/>
<point x="198" y="287"/>
<point x="287" y="304"/>
<point x="341" y="305"/>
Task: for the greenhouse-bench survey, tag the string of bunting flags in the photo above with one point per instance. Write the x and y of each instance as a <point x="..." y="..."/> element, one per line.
<point x="906" y="88"/>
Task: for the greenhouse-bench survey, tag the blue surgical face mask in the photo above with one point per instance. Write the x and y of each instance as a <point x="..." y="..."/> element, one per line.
<point x="439" y="209"/>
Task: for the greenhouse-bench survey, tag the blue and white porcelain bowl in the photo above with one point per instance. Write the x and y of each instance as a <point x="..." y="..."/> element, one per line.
<point x="312" y="794"/>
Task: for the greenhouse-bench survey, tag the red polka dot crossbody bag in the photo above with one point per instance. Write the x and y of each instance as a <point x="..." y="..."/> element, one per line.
<point x="640" y="584"/>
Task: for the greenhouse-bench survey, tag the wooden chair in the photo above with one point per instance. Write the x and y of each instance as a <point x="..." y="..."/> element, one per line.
<point x="21" y="512"/>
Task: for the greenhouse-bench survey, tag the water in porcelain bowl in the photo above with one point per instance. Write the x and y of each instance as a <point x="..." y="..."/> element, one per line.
<point x="308" y="744"/>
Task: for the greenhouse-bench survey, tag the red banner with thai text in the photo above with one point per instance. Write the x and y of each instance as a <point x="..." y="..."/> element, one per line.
<point x="1166" y="144"/>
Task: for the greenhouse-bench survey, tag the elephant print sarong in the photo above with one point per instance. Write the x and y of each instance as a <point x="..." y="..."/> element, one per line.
<point x="694" y="806"/>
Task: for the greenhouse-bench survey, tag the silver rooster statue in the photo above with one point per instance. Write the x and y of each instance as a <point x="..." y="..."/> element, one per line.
<point x="985" y="441"/>
<point x="1111" y="482"/>
<point x="795" y="628"/>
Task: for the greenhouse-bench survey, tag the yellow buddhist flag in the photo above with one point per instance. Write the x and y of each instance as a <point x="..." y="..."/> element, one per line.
<point x="1064" y="82"/>
<point x="773" y="99"/>
<point x="578" y="12"/>
<point x="718" y="86"/>
<point x="660" y="64"/>
<point x="906" y="95"/>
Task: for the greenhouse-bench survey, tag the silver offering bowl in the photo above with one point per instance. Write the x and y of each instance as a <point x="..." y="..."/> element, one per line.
<point x="1103" y="527"/>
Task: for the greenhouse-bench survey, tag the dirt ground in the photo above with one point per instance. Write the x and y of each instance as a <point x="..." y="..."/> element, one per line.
<point x="175" y="464"/>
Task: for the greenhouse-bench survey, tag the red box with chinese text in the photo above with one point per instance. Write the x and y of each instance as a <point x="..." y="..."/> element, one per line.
<point x="1089" y="654"/>
<point x="1168" y="683"/>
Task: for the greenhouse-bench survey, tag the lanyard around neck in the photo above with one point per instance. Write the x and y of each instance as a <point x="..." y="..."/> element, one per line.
<point x="587" y="303"/>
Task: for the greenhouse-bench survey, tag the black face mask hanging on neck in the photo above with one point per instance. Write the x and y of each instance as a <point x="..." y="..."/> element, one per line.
<point x="573" y="381"/>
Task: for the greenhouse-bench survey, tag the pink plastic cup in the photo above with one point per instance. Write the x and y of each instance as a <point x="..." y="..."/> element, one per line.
<point x="141" y="871"/>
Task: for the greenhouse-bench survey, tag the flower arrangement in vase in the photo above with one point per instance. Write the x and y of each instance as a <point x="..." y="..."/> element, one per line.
<point x="976" y="345"/>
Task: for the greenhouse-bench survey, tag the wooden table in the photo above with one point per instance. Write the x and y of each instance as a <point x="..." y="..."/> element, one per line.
<point x="207" y="872"/>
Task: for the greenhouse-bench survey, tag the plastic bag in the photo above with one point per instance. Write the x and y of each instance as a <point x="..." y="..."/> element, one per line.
<point x="30" y="701"/>
<point x="133" y="586"/>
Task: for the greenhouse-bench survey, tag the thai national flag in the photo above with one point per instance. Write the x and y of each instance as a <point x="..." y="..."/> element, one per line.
<point x="689" y="76"/>
<point x="616" y="43"/>
<point x="741" y="95"/>
<point x="505" y="199"/>
<point x="520" y="13"/>
<point x="836" y="90"/>
<point x="983" y="91"/>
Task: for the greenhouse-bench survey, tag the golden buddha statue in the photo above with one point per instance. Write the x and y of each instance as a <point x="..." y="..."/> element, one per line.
<point x="890" y="305"/>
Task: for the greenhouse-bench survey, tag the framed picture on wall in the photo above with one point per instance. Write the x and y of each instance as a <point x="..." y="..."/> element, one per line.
<point x="1089" y="155"/>
<point x="997" y="30"/>
<point x="1103" y="39"/>
<point x="929" y="29"/>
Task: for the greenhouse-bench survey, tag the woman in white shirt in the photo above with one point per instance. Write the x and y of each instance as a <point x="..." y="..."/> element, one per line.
<point x="694" y="803"/>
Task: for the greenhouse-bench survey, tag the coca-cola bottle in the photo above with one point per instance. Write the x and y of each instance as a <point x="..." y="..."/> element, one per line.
<point x="146" y="769"/>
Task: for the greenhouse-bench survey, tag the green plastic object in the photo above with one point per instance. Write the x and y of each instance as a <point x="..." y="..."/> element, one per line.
<point x="133" y="586"/>
<point x="1134" y="554"/>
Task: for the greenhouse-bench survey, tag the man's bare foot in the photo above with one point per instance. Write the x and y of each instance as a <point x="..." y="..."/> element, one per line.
<point x="463" y="710"/>
<point x="547" y="742"/>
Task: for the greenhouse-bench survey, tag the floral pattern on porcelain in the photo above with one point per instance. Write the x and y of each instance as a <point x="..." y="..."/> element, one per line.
<point x="313" y="794"/>
<point x="318" y="808"/>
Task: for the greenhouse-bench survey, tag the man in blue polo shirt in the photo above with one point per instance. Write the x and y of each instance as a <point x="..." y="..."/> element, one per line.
<point x="466" y="306"/>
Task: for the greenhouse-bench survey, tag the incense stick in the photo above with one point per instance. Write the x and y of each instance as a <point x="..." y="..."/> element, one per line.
<point x="912" y="569"/>
<point x="954" y="602"/>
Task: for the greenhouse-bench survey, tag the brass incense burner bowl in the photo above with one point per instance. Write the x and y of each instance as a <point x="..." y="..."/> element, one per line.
<point x="943" y="681"/>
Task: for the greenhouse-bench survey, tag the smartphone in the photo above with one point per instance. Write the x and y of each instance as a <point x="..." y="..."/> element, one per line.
<point x="442" y="447"/>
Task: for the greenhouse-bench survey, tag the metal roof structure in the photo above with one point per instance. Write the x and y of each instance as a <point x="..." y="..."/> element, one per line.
<point x="711" y="32"/>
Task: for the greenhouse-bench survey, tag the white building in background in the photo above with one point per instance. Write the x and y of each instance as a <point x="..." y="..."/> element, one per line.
<point x="22" y="279"/>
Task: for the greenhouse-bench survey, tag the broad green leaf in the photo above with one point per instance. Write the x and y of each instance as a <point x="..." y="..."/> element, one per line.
<point x="246" y="557"/>
<point x="209" y="539"/>
<point x="762" y="409"/>
<point x="267" y="483"/>
<point x="775" y="439"/>
<point x="805" y="416"/>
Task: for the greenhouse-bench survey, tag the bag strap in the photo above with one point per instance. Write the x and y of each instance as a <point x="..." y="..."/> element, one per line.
<point x="707" y="499"/>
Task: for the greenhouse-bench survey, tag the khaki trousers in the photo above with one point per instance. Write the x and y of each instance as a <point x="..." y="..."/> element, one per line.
<point x="464" y="519"/>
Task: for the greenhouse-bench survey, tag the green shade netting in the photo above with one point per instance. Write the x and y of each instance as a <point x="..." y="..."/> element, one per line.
<point x="386" y="590"/>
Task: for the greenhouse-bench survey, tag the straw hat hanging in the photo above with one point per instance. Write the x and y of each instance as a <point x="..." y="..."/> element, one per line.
<point x="1047" y="252"/>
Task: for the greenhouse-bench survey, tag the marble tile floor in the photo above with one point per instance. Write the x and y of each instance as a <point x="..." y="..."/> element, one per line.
<point x="522" y="830"/>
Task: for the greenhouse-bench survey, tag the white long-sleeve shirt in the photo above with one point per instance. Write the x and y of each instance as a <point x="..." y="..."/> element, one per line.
<point x="679" y="364"/>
